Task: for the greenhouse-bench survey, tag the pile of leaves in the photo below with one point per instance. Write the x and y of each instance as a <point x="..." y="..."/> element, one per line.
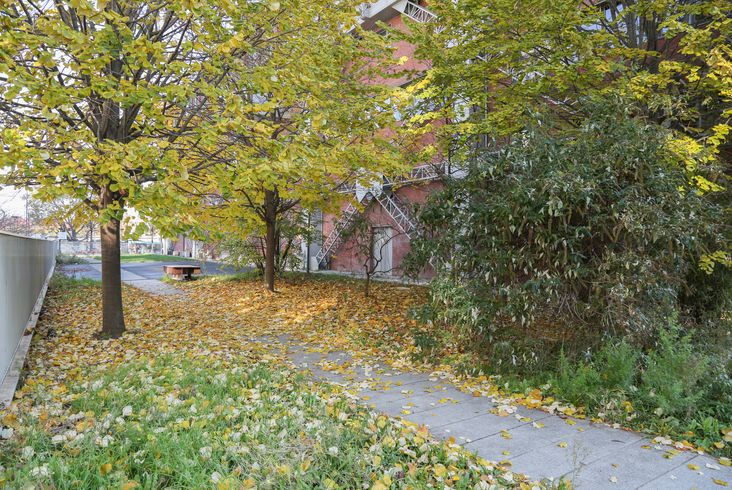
<point x="331" y="314"/>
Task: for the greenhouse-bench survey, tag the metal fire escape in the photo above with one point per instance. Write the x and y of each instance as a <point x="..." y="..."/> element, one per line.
<point x="398" y="211"/>
<point x="334" y="240"/>
<point x="415" y="11"/>
<point x="394" y="207"/>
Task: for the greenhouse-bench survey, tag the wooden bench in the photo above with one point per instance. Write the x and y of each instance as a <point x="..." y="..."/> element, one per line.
<point x="181" y="272"/>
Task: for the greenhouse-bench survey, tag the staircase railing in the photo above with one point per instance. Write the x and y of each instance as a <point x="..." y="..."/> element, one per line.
<point x="398" y="212"/>
<point x="417" y="12"/>
<point x="334" y="240"/>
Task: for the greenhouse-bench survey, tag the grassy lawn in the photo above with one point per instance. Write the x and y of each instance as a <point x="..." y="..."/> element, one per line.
<point x="151" y="258"/>
<point x="178" y="422"/>
<point x="185" y="400"/>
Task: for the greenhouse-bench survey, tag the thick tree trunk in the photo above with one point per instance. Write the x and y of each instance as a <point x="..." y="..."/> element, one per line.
<point x="113" y="323"/>
<point x="270" y="218"/>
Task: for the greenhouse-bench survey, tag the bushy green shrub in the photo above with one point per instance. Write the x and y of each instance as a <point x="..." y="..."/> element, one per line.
<point x="617" y="363"/>
<point x="598" y="226"/>
<point x="673" y="380"/>
<point x="576" y="382"/>
<point x="677" y="386"/>
<point x="609" y="375"/>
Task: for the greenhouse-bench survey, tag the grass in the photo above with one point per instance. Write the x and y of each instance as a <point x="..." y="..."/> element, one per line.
<point x="181" y="422"/>
<point x="68" y="287"/>
<point x="65" y="259"/>
<point x="151" y="258"/>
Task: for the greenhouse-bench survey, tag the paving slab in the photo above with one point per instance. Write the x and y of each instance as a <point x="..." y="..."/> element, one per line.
<point x="145" y="275"/>
<point x="476" y="427"/>
<point x="538" y="444"/>
<point x="684" y="477"/>
<point x="523" y="439"/>
<point x="634" y="466"/>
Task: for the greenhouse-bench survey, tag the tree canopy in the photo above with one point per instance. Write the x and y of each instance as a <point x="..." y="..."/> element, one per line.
<point x="125" y="103"/>
<point x="505" y="60"/>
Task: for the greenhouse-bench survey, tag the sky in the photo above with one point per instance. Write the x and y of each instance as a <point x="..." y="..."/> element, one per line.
<point x="12" y="201"/>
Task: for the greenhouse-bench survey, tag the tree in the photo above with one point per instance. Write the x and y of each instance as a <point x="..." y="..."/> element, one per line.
<point x="369" y="243"/>
<point x="61" y="215"/>
<point x="245" y="248"/>
<point x="121" y="103"/>
<point x="493" y="61"/>
<point x="319" y="115"/>
<point x="12" y="223"/>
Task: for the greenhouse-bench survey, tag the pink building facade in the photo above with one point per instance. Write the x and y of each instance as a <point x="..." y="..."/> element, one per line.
<point x="387" y="206"/>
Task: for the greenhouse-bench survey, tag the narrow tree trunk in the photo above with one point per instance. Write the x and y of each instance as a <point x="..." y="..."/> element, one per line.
<point x="270" y="218"/>
<point x="368" y="284"/>
<point x="113" y="323"/>
<point x="371" y="263"/>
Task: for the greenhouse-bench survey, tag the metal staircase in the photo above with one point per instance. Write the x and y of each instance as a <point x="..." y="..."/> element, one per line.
<point x="334" y="240"/>
<point x="398" y="212"/>
<point x="394" y="207"/>
<point x="415" y="11"/>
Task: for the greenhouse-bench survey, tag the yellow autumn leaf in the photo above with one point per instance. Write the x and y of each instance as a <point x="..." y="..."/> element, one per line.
<point x="105" y="468"/>
<point x="439" y="470"/>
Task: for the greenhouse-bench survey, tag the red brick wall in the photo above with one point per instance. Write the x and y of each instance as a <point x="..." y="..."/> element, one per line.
<point x="346" y="258"/>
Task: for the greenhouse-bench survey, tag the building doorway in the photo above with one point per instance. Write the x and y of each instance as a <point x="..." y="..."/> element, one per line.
<point x="382" y="252"/>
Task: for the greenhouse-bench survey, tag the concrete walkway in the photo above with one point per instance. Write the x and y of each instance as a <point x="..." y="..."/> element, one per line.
<point x="533" y="442"/>
<point x="145" y="275"/>
<point x="94" y="271"/>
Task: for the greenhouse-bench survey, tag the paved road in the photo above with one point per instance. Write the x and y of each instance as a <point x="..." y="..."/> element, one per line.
<point x="146" y="275"/>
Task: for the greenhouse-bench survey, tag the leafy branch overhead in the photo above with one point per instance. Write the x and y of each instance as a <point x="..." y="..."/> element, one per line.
<point x="131" y="104"/>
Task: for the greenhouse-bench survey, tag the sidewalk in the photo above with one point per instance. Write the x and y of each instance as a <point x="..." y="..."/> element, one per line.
<point x="93" y="270"/>
<point x="533" y="442"/>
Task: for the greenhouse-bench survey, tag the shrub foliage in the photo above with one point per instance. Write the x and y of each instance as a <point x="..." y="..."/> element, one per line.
<point x="597" y="225"/>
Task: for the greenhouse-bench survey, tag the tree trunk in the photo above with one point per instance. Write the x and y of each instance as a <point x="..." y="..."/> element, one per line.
<point x="367" y="287"/>
<point x="371" y="263"/>
<point x="270" y="242"/>
<point x="113" y="323"/>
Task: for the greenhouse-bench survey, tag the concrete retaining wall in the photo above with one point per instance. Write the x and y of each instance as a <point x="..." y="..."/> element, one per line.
<point x="25" y="265"/>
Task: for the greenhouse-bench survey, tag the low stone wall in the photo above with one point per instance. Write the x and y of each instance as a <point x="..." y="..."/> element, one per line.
<point x="85" y="247"/>
<point x="25" y="265"/>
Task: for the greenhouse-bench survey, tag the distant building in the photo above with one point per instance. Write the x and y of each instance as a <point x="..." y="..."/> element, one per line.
<point x="387" y="204"/>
